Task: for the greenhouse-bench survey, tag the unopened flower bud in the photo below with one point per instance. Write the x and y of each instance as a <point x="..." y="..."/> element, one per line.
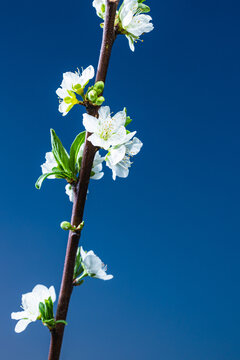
<point x="98" y="87"/>
<point x="65" y="225"/>
<point x="99" y="100"/>
<point x="92" y="95"/>
<point x="80" y="226"/>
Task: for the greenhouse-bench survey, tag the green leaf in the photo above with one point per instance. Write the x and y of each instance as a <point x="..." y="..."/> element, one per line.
<point x="78" y="269"/>
<point x="49" y="305"/>
<point x="41" y="178"/>
<point x="47" y="310"/>
<point x="58" y="173"/>
<point x="128" y="121"/>
<point x="75" y="147"/>
<point x="59" y="152"/>
<point x="42" y="310"/>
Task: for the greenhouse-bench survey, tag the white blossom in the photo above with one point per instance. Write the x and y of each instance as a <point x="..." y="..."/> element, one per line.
<point x="73" y="83"/>
<point x="99" y="5"/>
<point x="106" y="130"/>
<point x="49" y="164"/>
<point x="69" y="191"/>
<point x="93" y="265"/>
<point x="30" y="306"/>
<point x="118" y="158"/>
<point x="133" y="22"/>
<point x="97" y="164"/>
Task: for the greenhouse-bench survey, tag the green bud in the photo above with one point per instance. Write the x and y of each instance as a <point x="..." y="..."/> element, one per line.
<point x="98" y="87"/>
<point x="80" y="226"/>
<point x="65" y="225"/>
<point x="99" y="100"/>
<point x="92" y="95"/>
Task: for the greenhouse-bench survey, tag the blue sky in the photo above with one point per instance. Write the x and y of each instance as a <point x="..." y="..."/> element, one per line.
<point x="170" y="232"/>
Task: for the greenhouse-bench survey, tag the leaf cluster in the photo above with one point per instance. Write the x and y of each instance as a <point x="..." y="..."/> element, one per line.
<point x="68" y="165"/>
<point x="47" y="315"/>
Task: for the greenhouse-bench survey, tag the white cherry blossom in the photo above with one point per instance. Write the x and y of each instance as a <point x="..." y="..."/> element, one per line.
<point x="133" y="22"/>
<point x="93" y="265"/>
<point x="69" y="191"/>
<point x="99" y="5"/>
<point x="73" y="83"/>
<point x="106" y="130"/>
<point x="30" y="306"/>
<point x="118" y="158"/>
<point x="49" y="164"/>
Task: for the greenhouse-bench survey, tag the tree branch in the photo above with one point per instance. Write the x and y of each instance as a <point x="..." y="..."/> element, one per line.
<point x="81" y="188"/>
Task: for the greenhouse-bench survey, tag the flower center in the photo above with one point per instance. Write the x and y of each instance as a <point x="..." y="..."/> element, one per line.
<point x="106" y="130"/>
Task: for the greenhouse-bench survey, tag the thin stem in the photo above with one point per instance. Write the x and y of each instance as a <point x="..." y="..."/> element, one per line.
<point x="80" y="277"/>
<point x="81" y="190"/>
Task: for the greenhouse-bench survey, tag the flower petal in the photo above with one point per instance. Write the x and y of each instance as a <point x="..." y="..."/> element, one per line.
<point x="92" y="264"/>
<point x="118" y="137"/>
<point x="41" y="291"/>
<point x="129" y="136"/>
<point x="87" y="74"/>
<point x="63" y="108"/>
<point x="18" y="315"/>
<point x="116" y="155"/>
<point x="21" y="325"/>
<point x="101" y="274"/>
<point x="104" y="112"/>
<point x="119" y="119"/>
<point x="62" y="93"/>
<point x="134" y="146"/>
<point x="52" y="293"/>
<point x="83" y="253"/>
<point x="97" y="176"/>
<point x="70" y="79"/>
<point x="90" y="123"/>
<point x="97" y="141"/>
<point x="130" y="42"/>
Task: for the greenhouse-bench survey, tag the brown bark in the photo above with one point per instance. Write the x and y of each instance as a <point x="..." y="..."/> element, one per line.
<point x="81" y="190"/>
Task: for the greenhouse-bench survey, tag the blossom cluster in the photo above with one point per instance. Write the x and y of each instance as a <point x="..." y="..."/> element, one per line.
<point x="30" y="306"/>
<point x="89" y="264"/>
<point x="130" y="19"/>
<point x="109" y="134"/>
<point x="38" y="304"/>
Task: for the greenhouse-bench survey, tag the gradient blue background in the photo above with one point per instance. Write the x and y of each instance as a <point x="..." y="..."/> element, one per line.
<point x="170" y="232"/>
